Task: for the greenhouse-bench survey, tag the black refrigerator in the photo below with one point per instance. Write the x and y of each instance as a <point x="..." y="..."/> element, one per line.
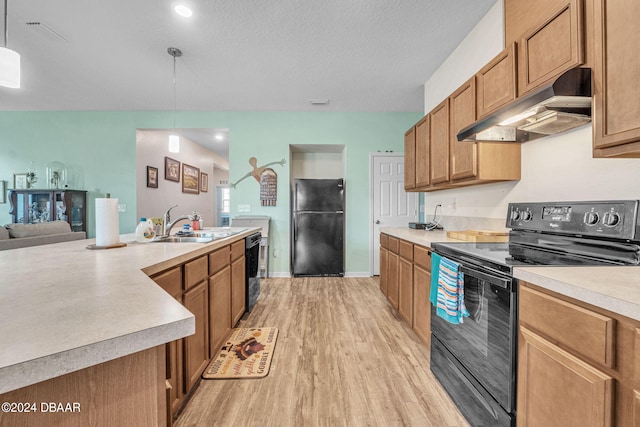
<point x="317" y="227"/>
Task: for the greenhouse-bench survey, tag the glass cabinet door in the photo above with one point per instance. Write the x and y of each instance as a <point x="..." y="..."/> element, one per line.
<point x="72" y="209"/>
<point x="39" y="207"/>
<point x="34" y="206"/>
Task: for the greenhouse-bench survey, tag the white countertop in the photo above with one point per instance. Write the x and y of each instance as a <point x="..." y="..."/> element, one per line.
<point x="418" y="237"/>
<point x="65" y="307"/>
<point x="616" y="289"/>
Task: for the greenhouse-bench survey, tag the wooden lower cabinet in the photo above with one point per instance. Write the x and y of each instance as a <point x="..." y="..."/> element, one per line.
<point x="171" y="282"/>
<point x="392" y="279"/>
<point x="384" y="274"/>
<point x="212" y="287"/>
<point x="405" y="279"/>
<point x="175" y="374"/>
<point x="421" y="305"/>
<point x="196" y="347"/>
<point x="578" y="365"/>
<point x="556" y="388"/>
<point x="405" y="290"/>
<point x="219" y="308"/>
<point x="238" y="290"/>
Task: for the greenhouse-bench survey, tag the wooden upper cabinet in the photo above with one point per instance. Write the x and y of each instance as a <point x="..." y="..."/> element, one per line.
<point x="439" y="138"/>
<point x="616" y="121"/>
<point x="410" y="159"/>
<point x="496" y="82"/>
<point x="423" y="153"/>
<point x="552" y="47"/>
<point x="521" y="15"/>
<point x="462" y="105"/>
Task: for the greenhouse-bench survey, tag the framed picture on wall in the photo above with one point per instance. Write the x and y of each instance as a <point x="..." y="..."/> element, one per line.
<point x="190" y="179"/>
<point x="204" y="182"/>
<point x="171" y="169"/>
<point x="20" y="181"/>
<point x="152" y="177"/>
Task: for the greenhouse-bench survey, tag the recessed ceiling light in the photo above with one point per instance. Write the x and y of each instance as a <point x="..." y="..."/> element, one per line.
<point x="183" y="10"/>
<point x="318" y="101"/>
<point x="219" y="137"/>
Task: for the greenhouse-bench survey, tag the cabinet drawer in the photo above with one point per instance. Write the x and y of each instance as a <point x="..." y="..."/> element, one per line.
<point x="237" y="250"/>
<point x="384" y="241"/>
<point x="422" y="257"/>
<point x="196" y="271"/>
<point x="171" y="282"/>
<point x="394" y="245"/>
<point x="583" y="331"/>
<point x="218" y="260"/>
<point x="406" y="250"/>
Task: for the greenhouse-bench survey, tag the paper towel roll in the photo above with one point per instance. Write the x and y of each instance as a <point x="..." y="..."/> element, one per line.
<point x="107" y="227"/>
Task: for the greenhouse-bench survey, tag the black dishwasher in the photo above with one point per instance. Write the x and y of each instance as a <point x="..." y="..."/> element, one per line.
<point x="252" y="264"/>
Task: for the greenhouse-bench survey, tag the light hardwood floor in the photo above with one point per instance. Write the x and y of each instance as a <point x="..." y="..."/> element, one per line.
<point x="343" y="358"/>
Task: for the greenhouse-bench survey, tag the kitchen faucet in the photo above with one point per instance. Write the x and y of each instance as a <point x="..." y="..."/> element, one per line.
<point x="167" y="225"/>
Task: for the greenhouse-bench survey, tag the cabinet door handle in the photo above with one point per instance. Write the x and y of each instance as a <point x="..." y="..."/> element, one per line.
<point x="377" y="221"/>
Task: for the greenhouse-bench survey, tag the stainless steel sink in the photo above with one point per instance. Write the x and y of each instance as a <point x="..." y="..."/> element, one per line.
<point x="200" y="236"/>
<point x="203" y="238"/>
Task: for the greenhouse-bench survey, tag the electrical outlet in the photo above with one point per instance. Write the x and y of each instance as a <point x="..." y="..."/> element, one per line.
<point x="122" y="207"/>
<point x="275" y="253"/>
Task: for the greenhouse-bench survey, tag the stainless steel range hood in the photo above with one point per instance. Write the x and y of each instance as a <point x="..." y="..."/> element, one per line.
<point x="557" y="107"/>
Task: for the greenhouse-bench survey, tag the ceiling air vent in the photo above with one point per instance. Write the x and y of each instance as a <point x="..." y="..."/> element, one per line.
<point x="45" y="30"/>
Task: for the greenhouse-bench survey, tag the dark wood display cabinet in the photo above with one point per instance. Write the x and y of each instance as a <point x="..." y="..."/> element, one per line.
<point x="33" y="206"/>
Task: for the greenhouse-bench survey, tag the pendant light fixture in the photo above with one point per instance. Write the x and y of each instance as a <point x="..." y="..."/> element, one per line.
<point x="174" y="139"/>
<point x="9" y="60"/>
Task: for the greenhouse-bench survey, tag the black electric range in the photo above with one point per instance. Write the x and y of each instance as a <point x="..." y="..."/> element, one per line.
<point x="475" y="360"/>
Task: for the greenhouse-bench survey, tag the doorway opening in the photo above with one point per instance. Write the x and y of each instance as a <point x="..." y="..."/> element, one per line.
<point x="202" y="155"/>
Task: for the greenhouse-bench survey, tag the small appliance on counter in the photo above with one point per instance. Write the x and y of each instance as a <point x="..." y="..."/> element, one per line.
<point x="418" y="225"/>
<point x="425" y="226"/>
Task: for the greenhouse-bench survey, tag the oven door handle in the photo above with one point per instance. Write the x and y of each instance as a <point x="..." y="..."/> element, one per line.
<point x="498" y="281"/>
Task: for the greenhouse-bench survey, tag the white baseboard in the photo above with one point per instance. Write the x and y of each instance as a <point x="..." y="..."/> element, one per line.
<point x="357" y="274"/>
<point x="279" y="274"/>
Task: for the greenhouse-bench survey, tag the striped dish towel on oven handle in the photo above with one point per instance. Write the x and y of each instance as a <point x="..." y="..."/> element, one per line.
<point x="447" y="289"/>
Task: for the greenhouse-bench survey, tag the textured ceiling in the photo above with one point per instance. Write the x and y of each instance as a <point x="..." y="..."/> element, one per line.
<point x="240" y="55"/>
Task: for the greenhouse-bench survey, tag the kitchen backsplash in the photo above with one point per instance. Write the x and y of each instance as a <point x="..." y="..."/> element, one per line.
<point x="454" y="223"/>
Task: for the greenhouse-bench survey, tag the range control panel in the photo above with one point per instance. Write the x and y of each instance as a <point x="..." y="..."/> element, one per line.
<point x="610" y="219"/>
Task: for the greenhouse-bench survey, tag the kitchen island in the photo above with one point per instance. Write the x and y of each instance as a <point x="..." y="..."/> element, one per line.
<point x="68" y="308"/>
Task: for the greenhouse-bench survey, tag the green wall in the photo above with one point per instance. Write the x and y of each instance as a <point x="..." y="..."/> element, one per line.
<point x="101" y="148"/>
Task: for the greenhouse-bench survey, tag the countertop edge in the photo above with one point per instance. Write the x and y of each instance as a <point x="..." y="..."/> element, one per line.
<point x="34" y="371"/>
<point x="583" y="294"/>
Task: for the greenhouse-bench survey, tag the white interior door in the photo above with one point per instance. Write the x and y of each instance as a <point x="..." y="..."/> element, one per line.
<point x="391" y="206"/>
